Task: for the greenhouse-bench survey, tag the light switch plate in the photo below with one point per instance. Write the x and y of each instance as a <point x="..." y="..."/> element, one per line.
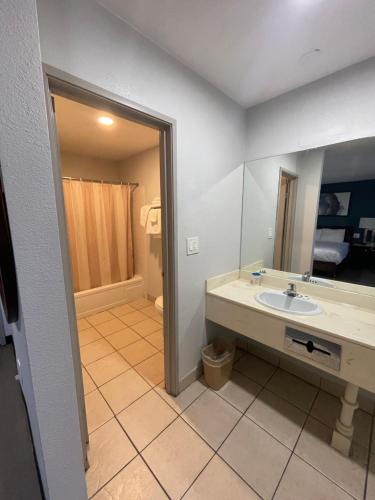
<point x="192" y="245"/>
<point x="270" y="233"/>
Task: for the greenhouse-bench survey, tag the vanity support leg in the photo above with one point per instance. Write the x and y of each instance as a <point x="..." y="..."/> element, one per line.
<point x="343" y="433"/>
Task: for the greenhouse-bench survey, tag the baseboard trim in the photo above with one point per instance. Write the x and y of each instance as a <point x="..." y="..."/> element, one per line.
<point x="190" y="377"/>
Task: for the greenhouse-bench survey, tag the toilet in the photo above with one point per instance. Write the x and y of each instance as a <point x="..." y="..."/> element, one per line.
<point x="159" y="305"/>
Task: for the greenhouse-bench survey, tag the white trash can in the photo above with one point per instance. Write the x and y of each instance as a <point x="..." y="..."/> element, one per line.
<point x="217" y="363"/>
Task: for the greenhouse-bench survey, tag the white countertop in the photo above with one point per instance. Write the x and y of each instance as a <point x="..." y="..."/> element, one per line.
<point x="346" y="321"/>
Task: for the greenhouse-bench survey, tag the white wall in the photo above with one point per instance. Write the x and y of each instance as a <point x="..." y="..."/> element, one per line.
<point x="144" y="168"/>
<point x="83" y="39"/>
<point x="337" y="108"/>
<point x="42" y="335"/>
<point x="73" y="165"/>
<point x="309" y="171"/>
<point x="260" y="197"/>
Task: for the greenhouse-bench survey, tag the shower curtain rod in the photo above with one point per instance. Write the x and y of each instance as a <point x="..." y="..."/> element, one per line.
<point x="136" y="184"/>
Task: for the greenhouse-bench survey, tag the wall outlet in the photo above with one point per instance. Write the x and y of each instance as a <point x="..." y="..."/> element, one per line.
<point x="192" y="245"/>
<point x="270" y="233"/>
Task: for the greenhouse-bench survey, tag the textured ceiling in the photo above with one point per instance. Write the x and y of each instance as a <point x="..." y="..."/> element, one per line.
<point x="254" y="50"/>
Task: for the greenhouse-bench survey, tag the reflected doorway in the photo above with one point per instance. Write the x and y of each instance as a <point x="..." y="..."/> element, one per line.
<point x="285" y="221"/>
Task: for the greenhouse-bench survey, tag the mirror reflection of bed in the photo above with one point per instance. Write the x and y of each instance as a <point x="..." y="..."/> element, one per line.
<point x="331" y="250"/>
<point x="323" y="229"/>
<point x="344" y="245"/>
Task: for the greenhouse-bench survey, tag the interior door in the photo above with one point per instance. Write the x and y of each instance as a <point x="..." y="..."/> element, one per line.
<point x="280" y="223"/>
<point x="67" y="269"/>
<point x="284" y="222"/>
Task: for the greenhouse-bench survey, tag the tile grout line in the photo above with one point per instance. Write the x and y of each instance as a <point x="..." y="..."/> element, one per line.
<point x="325" y="476"/>
<point x="275" y="393"/>
<point x="319" y="388"/>
<point x="155" y="476"/>
<point x="242" y="413"/>
<point x="295" y="444"/>
<point x="200" y="473"/>
<point x="309" y="416"/>
<point x="140" y="455"/>
<point x="161" y="327"/>
<point x="180" y="416"/>
<point x="115" y="350"/>
<point x="115" y="415"/>
<point x="232" y="405"/>
<point x="130" y="367"/>
<point x="216" y="451"/>
<point x="227" y="437"/>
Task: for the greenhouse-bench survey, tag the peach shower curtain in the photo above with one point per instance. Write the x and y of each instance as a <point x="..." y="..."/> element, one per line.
<point x="100" y="233"/>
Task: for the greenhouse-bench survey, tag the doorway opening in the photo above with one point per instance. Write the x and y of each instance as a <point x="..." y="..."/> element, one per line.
<point x="285" y="221"/>
<point x="115" y="191"/>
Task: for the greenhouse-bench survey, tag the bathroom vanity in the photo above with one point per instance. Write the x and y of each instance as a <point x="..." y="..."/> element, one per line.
<point x="300" y="289"/>
<point x="339" y="339"/>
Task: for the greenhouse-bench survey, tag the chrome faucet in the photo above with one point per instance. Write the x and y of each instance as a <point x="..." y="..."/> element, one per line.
<point x="306" y="276"/>
<point x="291" y="291"/>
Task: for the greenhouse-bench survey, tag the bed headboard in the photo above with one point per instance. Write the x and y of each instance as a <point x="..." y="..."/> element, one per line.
<point x="349" y="231"/>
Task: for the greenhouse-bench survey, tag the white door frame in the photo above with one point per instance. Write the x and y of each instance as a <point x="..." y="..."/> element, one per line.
<point x="76" y="89"/>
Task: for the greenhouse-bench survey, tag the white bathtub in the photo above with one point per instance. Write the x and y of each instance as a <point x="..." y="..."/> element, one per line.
<point x="104" y="297"/>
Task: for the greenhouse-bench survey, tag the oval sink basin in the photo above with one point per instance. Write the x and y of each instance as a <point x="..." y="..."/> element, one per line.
<point x="291" y="305"/>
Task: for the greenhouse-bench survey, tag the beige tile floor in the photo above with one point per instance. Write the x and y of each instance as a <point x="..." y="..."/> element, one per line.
<point x="265" y="434"/>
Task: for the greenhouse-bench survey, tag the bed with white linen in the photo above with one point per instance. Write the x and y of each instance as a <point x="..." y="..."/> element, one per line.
<point x="331" y="251"/>
<point x="331" y="248"/>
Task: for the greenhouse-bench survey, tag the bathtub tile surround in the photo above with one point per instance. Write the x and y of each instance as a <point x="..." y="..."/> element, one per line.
<point x="265" y="442"/>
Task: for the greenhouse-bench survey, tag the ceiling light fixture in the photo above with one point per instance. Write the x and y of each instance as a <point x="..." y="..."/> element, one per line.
<point x="105" y="120"/>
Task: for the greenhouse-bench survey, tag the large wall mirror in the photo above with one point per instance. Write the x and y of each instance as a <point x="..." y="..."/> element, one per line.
<point x="310" y="215"/>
